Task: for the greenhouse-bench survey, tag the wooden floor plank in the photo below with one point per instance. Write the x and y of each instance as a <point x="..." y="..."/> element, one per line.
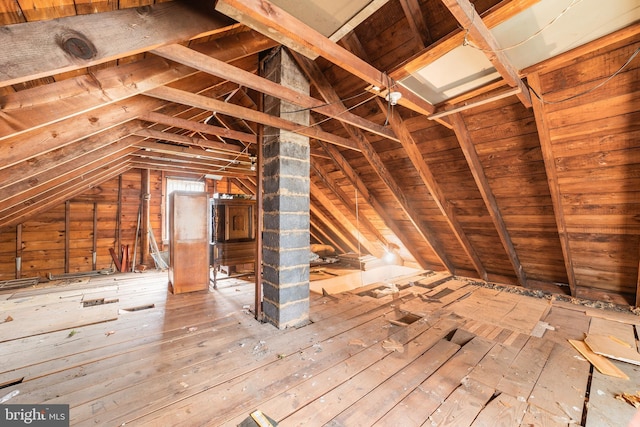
<point x="340" y="398"/>
<point x="259" y="385"/>
<point x="562" y="386"/>
<point x="500" y="308"/>
<point x="201" y="358"/>
<point x="462" y="406"/>
<point x="603" y="408"/>
<point x="523" y="373"/>
<point x="567" y="325"/>
<point x="535" y="416"/>
<point x="425" y="399"/>
<point x="494" y="365"/>
<point x="229" y="365"/>
<point x="381" y="399"/>
<point x="621" y="331"/>
<point x="503" y="411"/>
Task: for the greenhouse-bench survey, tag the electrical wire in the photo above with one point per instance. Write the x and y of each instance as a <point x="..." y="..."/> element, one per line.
<point x="599" y="85"/>
<point x="326" y="104"/>
<point x="466" y="41"/>
<point x="328" y="118"/>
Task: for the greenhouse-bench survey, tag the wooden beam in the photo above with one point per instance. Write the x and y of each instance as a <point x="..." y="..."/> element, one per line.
<point x="546" y="147"/>
<point x="202" y="163"/>
<point x="242" y="183"/>
<point x="419" y="28"/>
<point x="225" y="71"/>
<point x="348" y="203"/>
<point x="465" y="13"/>
<point x="67" y="234"/>
<point x="170" y="166"/>
<point x="61" y="160"/>
<point x="19" y="251"/>
<point x="274" y="19"/>
<point x="191" y="125"/>
<point x="189" y="140"/>
<point x="30" y="109"/>
<point x="188" y="152"/>
<point x="429" y="181"/>
<point x="94" y="235"/>
<point x="41" y="175"/>
<point x="199" y="101"/>
<point x="145" y="197"/>
<point x="330" y="96"/>
<point x="498" y="14"/>
<point x="46" y="200"/>
<point x="329" y="206"/>
<point x="476" y="103"/>
<point x="462" y="133"/>
<point x="39" y="141"/>
<point x="343" y="165"/>
<point x="328" y="224"/>
<point x="34" y="50"/>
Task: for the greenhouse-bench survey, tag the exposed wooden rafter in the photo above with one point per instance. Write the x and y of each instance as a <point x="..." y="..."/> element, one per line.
<point x="188" y="98"/>
<point x="343" y="165"/>
<point x="348" y="203"/>
<point x="329" y="206"/>
<point x="272" y="18"/>
<point x="198" y="127"/>
<point x="462" y="133"/>
<point x="328" y="93"/>
<point x="552" y="178"/>
<point x="221" y="69"/>
<point x="429" y="180"/>
<point x="464" y="11"/>
<point x="37" y="49"/>
<point x="416" y="21"/>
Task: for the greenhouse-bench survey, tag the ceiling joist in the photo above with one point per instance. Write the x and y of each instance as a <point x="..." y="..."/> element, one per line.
<point x="273" y="19"/>
<point x="465" y="12"/>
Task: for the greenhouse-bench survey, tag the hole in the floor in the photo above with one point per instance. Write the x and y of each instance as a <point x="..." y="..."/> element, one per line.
<point x="407" y="319"/>
<point x="586" y="397"/>
<point x="460" y="336"/>
<point x="494" y="397"/>
<point x="98" y="301"/>
<point x="442" y="293"/>
<point x="11" y="382"/>
<point x="140" y="307"/>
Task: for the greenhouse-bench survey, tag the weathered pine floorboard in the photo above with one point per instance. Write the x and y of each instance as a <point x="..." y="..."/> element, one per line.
<point x="201" y="359"/>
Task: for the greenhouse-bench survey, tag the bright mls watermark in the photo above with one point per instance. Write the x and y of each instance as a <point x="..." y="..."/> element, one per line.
<point x="34" y="415"/>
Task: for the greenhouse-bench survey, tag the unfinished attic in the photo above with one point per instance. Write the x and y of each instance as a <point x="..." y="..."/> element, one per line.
<point x="338" y="212"/>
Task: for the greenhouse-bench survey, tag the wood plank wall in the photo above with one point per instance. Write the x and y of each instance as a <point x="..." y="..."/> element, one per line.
<point x="506" y="139"/>
<point x="43" y="236"/>
<point x="595" y="143"/>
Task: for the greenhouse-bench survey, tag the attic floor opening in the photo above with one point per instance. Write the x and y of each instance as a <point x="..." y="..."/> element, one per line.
<point x="286" y="159"/>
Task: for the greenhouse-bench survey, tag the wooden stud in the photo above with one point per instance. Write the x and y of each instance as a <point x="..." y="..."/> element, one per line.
<point x="544" y="135"/>
<point x="464" y="138"/>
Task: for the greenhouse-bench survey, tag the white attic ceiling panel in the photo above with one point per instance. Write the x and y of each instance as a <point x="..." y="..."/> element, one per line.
<point x="584" y="21"/>
<point x="329" y="17"/>
<point x="463" y="69"/>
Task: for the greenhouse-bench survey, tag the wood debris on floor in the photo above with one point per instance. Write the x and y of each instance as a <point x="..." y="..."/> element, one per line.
<point x="437" y="350"/>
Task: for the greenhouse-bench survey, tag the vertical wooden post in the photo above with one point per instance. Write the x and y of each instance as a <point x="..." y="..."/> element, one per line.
<point x="119" y="216"/>
<point x="94" y="253"/>
<point x="257" y="267"/>
<point x="67" y="238"/>
<point x="18" y="251"/>
<point x="144" y="233"/>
